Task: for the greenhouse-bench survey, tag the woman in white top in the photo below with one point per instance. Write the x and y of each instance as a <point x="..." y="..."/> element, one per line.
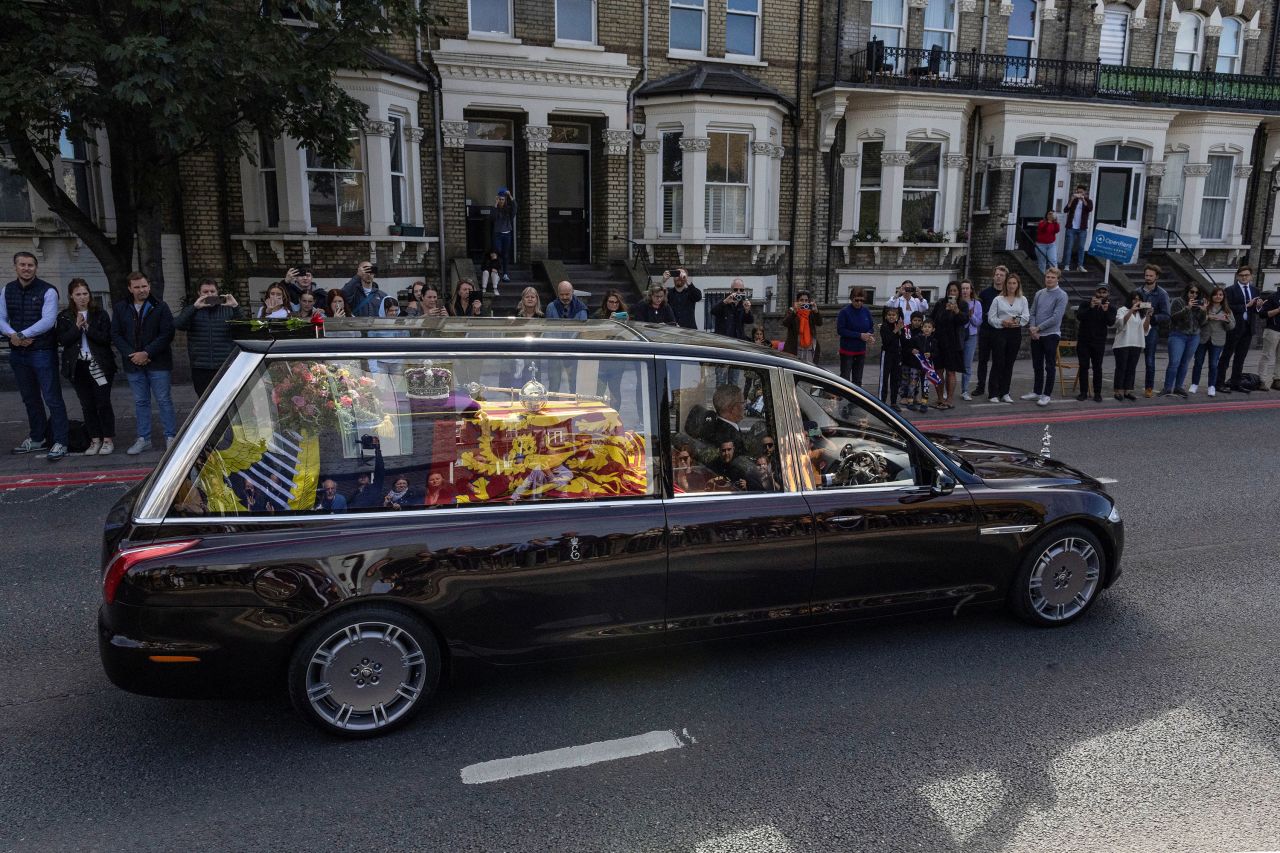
<point x="1132" y="324"/>
<point x="1009" y="312"/>
<point x="275" y="303"/>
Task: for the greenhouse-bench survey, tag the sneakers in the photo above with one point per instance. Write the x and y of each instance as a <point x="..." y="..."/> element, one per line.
<point x="1165" y="392"/>
<point x="56" y="452"/>
<point x="139" y="446"/>
<point x="1213" y="392"/>
<point x="1150" y="392"/>
<point x="1193" y="389"/>
<point x="980" y="391"/>
<point x="1082" y="396"/>
<point x="1043" y="401"/>
<point x="1030" y="395"/>
<point x="1179" y="392"/>
<point x="94" y="447"/>
<point x="30" y="445"/>
<point x="965" y="395"/>
<point x="108" y="447"/>
<point x="994" y="400"/>
<point x="506" y="278"/>
<point x="1006" y="399"/>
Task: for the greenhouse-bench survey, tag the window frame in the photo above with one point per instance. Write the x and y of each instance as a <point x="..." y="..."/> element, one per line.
<point x="1226" y="200"/>
<point x="1120" y="11"/>
<point x="900" y="29"/>
<point x="1196" y="55"/>
<point x="708" y="184"/>
<point x="935" y="190"/>
<point x="398" y="181"/>
<point x="757" y="18"/>
<point x="865" y="189"/>
<point x="595" y="26"/>
<point x="357" y="138"/>
<point x="1236" y="58"/>
<point x="509" y="32"/>
<point x="270" y="192"/>
<point x="1033" y="49"/>
<point x="81" y="166"/>
<point x="25" y="192"/>
<point x="671" y="222"/>
<point x="699" y="6"/>
<point x="950" y="34"/>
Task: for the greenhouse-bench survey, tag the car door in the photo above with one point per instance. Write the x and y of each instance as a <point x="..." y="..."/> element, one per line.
<point x="740" y="532"/>
<point x="888" y="538"/>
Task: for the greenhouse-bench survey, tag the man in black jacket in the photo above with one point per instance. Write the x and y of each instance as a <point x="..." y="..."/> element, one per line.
<point x="298" y="280"/>
<point x="1095" y="316"/>
<point x="986" y="334"/>
<point x="142" y="331"/>
<point x="1245" y="300"/>
<point x="682" y="297"/>
<point x="208" y="335"/>
<point x="733" y="315"/>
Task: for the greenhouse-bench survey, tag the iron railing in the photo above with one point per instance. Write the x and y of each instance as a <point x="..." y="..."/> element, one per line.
<point x="1169" y="236"/>
<point x="900" y="67"/>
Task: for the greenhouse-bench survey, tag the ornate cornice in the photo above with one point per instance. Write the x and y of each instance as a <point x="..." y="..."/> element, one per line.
<point x="496" y="68"/>
<point x="1001" y="164"/>
<point x="850" y="161"/>
<point x="650" y="146"/>
<point x="762" y="148"/>
<point x="374" y="127"/>
<point x="1213" y="31"/>
<point x="1197" y="170"/>
<point x="455" y="133"/>
<point x="1155" y="170"/>
<point x="1251" y="34"/>
<point x="1172" y="26"/>
<point x="1244" y="171"/>
<point x="967" y="6"/>
<point x="955" y="161"/>
<point x="1138" y="23"/>
<point x="1006" y="9"/>
<point x="617" y="142"/>
<point x="697" y="144"/>
<point x="895" y="158"/>
<point x="536" y="137"/>
<point x="918" y="4"/>
<point x="778" y="152"/>
<point x="414" y="135"/>
<point x="1079" y="167"/>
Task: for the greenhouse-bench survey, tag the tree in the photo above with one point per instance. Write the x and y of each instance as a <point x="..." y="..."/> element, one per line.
<point x="164" y="79"/>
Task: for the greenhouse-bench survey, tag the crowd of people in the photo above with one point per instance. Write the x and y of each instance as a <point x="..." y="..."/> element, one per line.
<point x="927" y="351"/>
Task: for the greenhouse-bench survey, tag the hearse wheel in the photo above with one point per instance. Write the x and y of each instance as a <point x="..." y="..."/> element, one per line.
<point x="1060" y="577"/>
<point x="364" y="671"/>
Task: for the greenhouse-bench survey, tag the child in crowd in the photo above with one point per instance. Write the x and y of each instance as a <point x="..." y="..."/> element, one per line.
<point x="913" y="388"/>
<point x="929" y="352"/>
<point x="890" y="357"/>
<point x="490" y="273"/>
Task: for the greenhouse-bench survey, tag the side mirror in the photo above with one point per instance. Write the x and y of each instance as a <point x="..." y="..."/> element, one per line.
<point x="943" y="483"/>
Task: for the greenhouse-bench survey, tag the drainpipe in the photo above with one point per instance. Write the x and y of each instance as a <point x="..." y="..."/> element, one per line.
<point x="1275" y="39"/>
<point x="986" y="13"/>
<point x="631" y="149"/>
<point x="795" y="152"/>
<point x="975" y="133"/>
<point x="433" y="81"/>
<point x="1251" y="196"/>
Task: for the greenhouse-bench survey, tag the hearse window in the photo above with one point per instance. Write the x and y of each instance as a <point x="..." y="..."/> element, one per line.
<point x="723" y="434"/>
<point x="849" y="443"/>
<point x="381" y="435"/>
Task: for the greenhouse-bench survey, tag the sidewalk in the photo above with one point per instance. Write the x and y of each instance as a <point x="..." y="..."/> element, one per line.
<point x="13" y="422"/>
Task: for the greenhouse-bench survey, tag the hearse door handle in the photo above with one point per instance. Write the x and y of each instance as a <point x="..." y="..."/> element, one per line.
<point x="846" y="521"/>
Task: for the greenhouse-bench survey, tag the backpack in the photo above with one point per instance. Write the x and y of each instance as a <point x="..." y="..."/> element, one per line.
<point x="1250" y="381"/>
<point x="77" y="437"/>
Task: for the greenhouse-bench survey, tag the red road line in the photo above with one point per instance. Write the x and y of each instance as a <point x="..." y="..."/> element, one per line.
<point x="1074" y="417"/>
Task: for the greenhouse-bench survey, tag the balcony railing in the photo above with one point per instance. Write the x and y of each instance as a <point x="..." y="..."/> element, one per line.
<point x="940" y="70"/>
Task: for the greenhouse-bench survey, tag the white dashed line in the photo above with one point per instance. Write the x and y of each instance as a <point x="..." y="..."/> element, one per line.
<point x="1107" y="480"/>
<point x="761" y="839"/>
<point x="570" y="756"/>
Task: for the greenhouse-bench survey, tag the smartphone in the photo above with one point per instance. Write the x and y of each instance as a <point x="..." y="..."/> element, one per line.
<point x="226" y="298"/>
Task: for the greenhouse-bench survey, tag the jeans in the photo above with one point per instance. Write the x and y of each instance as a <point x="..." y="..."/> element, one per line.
<point x="145" y="383"/>
<point x="851" y="367"/>
<point x="1214" y="352"/>
<point x="1075" y="242"/>
<point x="502" y="242"/>
<point x="970" y="346"/>
<point x="1046" y="255"/>
<point x="1149" y="350"/>
<point x="36" y="372"/>
<point x="986" y="339"/>
<point x="1182" y="350"/>
<point x="1044" y="363"/>
<point x="95" y="403"/>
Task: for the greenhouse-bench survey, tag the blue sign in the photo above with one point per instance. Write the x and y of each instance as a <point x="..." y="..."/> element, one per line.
<point x="1114" y="244"/>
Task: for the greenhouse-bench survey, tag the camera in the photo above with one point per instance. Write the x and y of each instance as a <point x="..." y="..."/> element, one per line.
<point x="226" y="298"/>
<point x="740" y="297"/>
<point x="807" y="306"/>
<point x="367" y="442"/>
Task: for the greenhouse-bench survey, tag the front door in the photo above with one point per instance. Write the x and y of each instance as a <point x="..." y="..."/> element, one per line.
<point x="488" y="170"/>
<point x="740" y="534"/>
<point x="886" y="542"/>
<point x="1035" y="196"/>
<point x="1116" y="186"/>
<point x="568" y="211"/>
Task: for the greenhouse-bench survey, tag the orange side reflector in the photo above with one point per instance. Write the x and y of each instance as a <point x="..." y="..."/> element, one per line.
<point x="173" y="659"/>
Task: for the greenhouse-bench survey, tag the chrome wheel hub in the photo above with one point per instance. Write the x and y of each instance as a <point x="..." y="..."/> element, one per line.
<point x="1065" y="578"/>
<point x="366" y="675"/>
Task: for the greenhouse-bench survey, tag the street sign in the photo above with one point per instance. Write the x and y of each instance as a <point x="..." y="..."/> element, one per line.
<point x="1114" y="244"/>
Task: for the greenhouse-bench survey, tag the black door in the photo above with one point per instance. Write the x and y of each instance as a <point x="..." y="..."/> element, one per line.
<point x="568" y="209"/>
<point x="1035" y="196"/>
<point x="1115" y="183"/>
<point x="488" y="170"/>
<point x="740" y="544"/>
<point x="885" y="541"/>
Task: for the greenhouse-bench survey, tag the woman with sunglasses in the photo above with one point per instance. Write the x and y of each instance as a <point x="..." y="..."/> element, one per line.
<point x="1187" y="317"/>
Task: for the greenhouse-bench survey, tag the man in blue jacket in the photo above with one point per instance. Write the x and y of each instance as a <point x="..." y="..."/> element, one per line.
<point x="28" y="313"/>
<point x="855" y="327"/>
<point x="566" y="306"/>
<point x="142" y="331"/>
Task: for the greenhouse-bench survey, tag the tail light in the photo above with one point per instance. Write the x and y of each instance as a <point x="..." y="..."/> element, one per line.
<point x="130" y="557"/>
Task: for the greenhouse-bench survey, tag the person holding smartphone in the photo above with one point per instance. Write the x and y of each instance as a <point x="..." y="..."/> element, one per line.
<point x="950" y="318"/>
<point x="1094" y="319"/>
<point x="682" y="297"/>
<point x="1219" y="323"/>
<point x="1187" y="317"/>
<point x="1132" y="325"/>
<point x="206" y="321"/>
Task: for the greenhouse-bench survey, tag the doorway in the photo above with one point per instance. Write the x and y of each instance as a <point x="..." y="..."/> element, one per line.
<point x="488" y="164"/>
<point x="568" y="206"/>
<point x="1117" y="195"/>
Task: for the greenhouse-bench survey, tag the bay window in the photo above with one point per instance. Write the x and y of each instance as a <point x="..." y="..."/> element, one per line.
<point x="268" y="175"/>
<point x="399" y="188"/>
<point x="672" y="183"/>
<point x="336" y="190"/>
<point x="921" y="188"/>
<point x="1217" y="194"/>
<point x="727" y="185"/>
<point x="869" y="178"/>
